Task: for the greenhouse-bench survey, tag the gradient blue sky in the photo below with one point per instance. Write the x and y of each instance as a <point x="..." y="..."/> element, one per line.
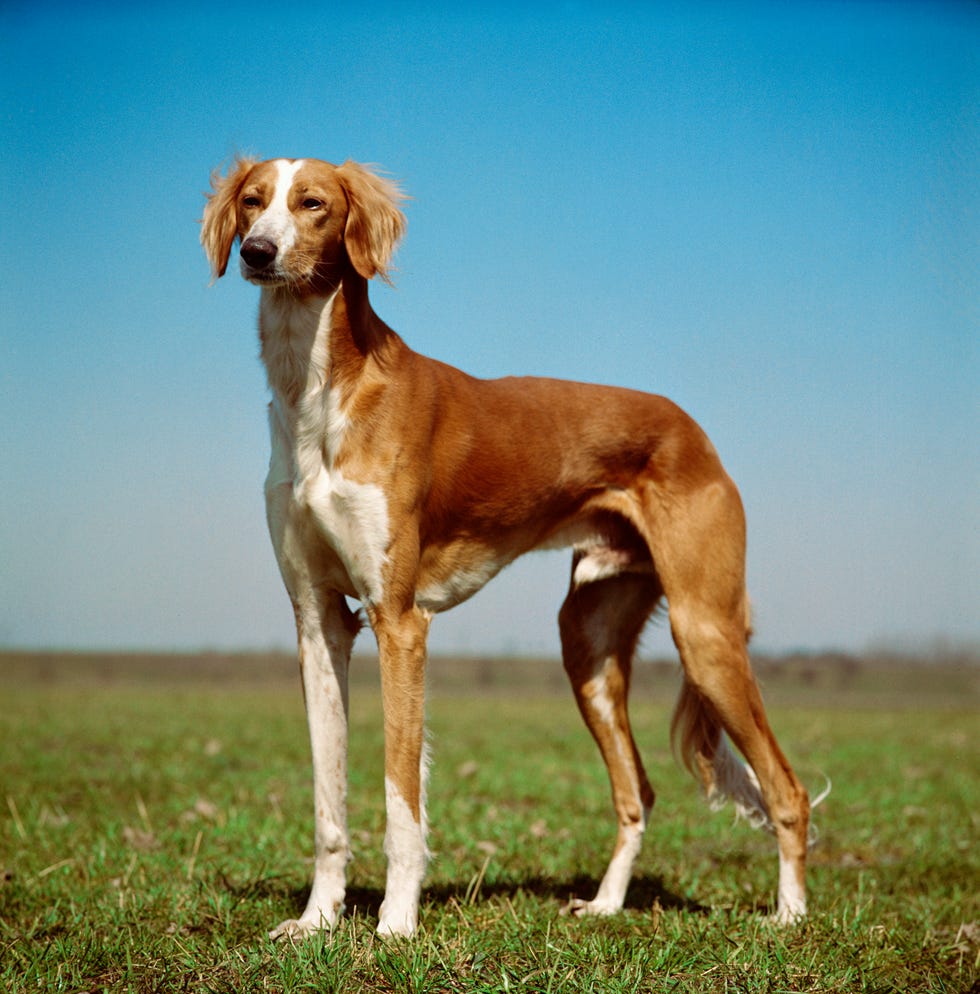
<point x="769" y="212"/>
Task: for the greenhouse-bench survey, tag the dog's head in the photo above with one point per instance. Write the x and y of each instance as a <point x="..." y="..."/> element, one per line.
<point x="302" y="222"/>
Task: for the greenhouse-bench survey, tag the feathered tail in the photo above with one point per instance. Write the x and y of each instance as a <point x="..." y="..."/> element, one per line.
<point x="697" y="738"/>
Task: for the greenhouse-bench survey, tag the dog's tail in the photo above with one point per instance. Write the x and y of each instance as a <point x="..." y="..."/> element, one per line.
<point x="698" y="740"/>
<point x="700" y="743"/>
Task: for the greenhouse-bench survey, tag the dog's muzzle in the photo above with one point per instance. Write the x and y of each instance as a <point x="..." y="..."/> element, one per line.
<point x="259" y="253"/>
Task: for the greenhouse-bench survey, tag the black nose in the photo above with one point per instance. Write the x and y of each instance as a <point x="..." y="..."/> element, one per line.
<point x="258" y="252"/>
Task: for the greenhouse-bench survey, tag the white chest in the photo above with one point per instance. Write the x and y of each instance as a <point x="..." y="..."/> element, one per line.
<point x="310" y="503"/>
<point x="317" y="516"/>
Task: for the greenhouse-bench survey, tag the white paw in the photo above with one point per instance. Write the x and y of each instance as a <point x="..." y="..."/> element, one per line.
<point x="302" y="928"/>
<point x="583" y="909"/>
<point x="399" y="924"/>
<point x="788" y="916"/>
<point x="293" y="928"/>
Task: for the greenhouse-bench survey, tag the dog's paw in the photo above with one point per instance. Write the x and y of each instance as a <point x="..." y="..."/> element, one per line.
<point x="293" y="928"/>
<point x="580" y="908"/>
<point x="786" y="917"/>
<point x="398" y="924"/>
<point x="298" y="929"/>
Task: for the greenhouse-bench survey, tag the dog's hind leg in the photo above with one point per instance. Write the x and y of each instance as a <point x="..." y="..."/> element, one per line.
<point x="700" y="556"/>
<point x="600" y="623"/>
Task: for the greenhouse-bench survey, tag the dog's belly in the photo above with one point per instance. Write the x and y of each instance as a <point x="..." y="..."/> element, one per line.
<point x="440" y="590"/>
<point x="604" y="544"/>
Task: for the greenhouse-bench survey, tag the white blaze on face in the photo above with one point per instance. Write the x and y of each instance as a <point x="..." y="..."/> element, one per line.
<point x="276" y="221"/>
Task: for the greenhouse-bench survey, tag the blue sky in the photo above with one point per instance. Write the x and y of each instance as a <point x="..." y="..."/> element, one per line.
<point x="768" y="212"/>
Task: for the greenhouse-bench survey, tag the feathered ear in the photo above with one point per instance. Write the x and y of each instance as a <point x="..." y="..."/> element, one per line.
<point x="374" y="222"/>
<point x="220" y="222"/>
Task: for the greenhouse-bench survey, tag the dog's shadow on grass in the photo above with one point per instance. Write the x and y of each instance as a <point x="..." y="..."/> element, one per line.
<point x="644" y="893"/>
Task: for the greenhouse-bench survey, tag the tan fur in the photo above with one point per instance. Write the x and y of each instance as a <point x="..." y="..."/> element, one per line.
<point x="443" y="479"/>
<point x="220" y="225"/>
<point x="375" y="225"/>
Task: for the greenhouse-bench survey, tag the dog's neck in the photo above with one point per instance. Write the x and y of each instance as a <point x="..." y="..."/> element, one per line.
<point x="319" y="342"/>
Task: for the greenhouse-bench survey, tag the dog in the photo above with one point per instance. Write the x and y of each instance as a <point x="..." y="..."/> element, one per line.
<point x="405" y="484"/>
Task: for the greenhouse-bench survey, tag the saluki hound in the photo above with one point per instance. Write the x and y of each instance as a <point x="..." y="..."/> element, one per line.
<point x="405" y="484"/>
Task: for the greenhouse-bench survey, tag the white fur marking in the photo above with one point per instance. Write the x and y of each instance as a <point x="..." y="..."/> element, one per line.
<point x="276" y="221"/>
<point x="615" y="882"/>
<point x="601" y="562"/>
<point x="407" y="858"/>
<point x="353" y="518"/>
<point x="458" y="587"/>
<point x="612" y="891"/>
<point x="602" y="701"/>
<point x="792" y="898"/>
<point x="736" y="781"/>
<point x="325" y="651"/>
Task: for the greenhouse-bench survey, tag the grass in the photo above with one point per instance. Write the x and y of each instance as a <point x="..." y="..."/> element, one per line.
<point x="152" y="829"/>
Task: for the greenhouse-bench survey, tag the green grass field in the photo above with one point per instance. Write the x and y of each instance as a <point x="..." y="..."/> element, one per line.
<point x="155" y="821"/>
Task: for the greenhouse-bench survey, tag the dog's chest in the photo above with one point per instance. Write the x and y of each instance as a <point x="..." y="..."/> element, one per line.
<point x="309" y="499"/>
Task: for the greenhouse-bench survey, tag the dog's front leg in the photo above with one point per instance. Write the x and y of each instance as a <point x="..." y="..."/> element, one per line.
<point x="402" y="652"/>
<point x="326" y="628"/>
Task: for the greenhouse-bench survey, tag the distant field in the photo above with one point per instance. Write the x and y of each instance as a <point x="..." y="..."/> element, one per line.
<point x="155" y="822"/>
<point x="829" y="680"/>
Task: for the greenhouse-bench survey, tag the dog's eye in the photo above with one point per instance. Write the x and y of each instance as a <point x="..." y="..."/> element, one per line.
<point x="312" y="204"/>
<point x="251" y="202"/>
